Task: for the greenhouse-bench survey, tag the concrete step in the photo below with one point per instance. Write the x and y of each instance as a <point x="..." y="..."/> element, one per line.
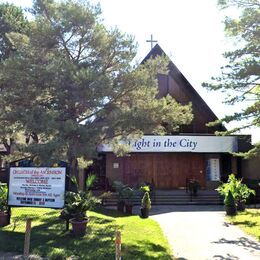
<point x="173" y="203"/>
<point x="172" y="198"/>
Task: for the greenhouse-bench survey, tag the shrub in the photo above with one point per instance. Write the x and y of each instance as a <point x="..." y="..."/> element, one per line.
<point x="128" y="194"/>
<point x="229" y="200"/>
<point x="3" y="197"/>
<point x="238" y="189"/>
<point x="79" y="202"/>
<point x="146" y="201"/>
<point x="57" y="254"/>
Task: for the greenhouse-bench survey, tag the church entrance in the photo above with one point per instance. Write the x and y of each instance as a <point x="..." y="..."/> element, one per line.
<point x="163" y="170"/>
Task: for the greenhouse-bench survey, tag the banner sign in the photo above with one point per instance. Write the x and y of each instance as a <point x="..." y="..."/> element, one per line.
<point x="37" y="187"/>
<point x="179" y="143"/>
<point x="213" y="169"/>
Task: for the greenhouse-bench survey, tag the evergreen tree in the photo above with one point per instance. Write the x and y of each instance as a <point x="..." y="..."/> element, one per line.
<point x="240" y="77"/>
<point x="12" y="19"/>
<point x="72" y="85"/>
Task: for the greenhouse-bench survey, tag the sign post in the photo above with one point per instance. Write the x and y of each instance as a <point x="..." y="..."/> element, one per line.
<point x="27" y="238"/>
<point x="118" y="245"/>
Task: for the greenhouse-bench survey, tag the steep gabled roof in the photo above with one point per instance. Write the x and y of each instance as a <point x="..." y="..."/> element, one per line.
<point x="192" y="95"/>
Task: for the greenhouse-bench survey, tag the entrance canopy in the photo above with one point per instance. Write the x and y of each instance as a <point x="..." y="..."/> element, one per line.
<point x="180" y="143"/>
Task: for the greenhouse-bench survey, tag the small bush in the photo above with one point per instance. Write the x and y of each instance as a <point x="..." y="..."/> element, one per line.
<point x="229" y="200"/>
<point x="57" y="254"/>
<point x="146" y="201"/>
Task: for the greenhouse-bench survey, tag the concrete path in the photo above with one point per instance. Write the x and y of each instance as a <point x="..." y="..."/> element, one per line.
<point x="201" y="232"/>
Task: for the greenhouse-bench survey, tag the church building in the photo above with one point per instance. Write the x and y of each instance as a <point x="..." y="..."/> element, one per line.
<point x="168" y="162"/>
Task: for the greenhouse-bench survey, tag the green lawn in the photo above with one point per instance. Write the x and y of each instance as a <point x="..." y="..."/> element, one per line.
<point x="249" y="221"/>
<point x="141" y="238"/>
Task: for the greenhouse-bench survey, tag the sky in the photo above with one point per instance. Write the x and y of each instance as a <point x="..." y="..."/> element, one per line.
<point x="191" y="32"/>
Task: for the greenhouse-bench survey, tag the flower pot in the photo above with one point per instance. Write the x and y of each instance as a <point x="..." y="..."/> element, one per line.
<point x="79" y="227"/>
<point x="241" y="205"/>
<point x="231" y="210"/>
<point x="4" y="219"/>
<point x="144" y="212"/>
<point x="120" y="206"/>
<point x="128" y="209"/>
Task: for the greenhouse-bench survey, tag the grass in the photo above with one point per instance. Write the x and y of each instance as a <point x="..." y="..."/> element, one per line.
<point x="141" y="238"/>
<point x="249" y="221"/>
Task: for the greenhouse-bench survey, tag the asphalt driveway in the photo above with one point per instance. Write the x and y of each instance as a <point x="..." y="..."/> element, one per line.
<point x="201" y="232"/>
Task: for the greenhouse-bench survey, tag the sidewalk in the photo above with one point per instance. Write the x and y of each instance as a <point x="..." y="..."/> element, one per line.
<point x="200" y="233"/>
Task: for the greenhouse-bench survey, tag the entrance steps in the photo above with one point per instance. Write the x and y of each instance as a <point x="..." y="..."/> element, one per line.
<point x="173" y="197"/>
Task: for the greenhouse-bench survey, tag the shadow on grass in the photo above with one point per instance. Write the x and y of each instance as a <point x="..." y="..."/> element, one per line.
<point x="110" y="212"/>
<point x="250" y="213"/>
<point x="245" y="222"/>
<point x="142" y="249"/>
<point x="98" y="243"/>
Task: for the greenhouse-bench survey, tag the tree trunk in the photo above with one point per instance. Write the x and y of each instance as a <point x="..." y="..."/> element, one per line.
<point x="73" y="169"/>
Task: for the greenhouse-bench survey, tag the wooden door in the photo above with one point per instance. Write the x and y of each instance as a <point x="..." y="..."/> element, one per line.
<point x="165" y="170"/>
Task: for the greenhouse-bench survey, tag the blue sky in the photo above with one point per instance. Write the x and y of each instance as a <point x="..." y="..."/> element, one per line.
<point x="190" y="32"/>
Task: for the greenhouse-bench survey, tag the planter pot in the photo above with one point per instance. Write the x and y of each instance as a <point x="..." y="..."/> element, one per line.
<point x="241" y="205"/>
<point x="231" y="210"/>
<point x="120" y="206"/>
<point x="128" y="209"/>
<point x="79" y="227"/>
<point x="4" y="219"/>
<point x="144" y="213"/>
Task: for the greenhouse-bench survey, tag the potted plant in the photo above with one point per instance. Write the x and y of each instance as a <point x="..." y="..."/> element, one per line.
<point x="119" y="187"/>
<point x="4" y="215"/>
<point x="239" y="191"/>
<point x="230" y="205"/>
<point x="77" y="203"/>
<point x="146" y="202"/>
<point x="128" y="194"/>
<point x="243" y="193"/>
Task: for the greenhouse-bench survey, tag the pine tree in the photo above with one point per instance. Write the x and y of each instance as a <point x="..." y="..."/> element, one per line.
<point x="240" y="77"/>
<point x="72" y="85"/>
<point x="12" y="19"/>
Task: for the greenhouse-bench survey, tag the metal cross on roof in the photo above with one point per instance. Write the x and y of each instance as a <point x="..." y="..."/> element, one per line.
<point x="151" y="41"/>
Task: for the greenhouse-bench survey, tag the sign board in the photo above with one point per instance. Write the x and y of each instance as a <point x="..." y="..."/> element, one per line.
<point x="179" y="143"/>
<point x="37" y="187"/>
<point x="213" y="169"/>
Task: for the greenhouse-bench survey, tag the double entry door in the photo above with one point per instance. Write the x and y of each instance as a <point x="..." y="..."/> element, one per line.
<point x="164" y="170"/>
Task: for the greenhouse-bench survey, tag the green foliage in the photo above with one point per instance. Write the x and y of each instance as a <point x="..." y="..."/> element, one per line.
<point x="3" y="197"/>
<point x="249" y="221"/>
<point x="12" y="19"/>
<point x="72" y="84"/>
<point x="229" y="200"/>
<point x="119" y="187"/>
<point x="240" y="77"/>
<point x="90" y="181"/>
<point x="128" y="194"/>
<point x="146" y="201"/>
<point x="57" y="254"/>
<point x="239" y="190"/>
<point x="145" y="241"/>
<point x="145" y="188"/>
<point x="78" y="203"/>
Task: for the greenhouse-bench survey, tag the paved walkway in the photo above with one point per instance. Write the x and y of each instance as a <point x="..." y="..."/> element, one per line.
<point x="200" y="233"/>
